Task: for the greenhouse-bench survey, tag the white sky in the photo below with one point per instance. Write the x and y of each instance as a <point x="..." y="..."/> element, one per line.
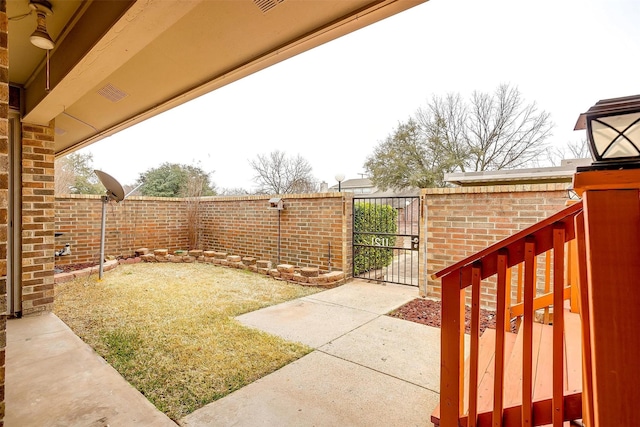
<point x="333" y="104"/>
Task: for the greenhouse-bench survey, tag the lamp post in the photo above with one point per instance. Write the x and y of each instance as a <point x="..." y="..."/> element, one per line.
<point x="608" y="233"/>
<point x="339" y="177"/>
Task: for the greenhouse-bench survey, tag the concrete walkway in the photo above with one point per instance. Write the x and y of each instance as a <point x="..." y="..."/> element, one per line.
<point x="54" y="379"/>
<point x="367" y="370"/>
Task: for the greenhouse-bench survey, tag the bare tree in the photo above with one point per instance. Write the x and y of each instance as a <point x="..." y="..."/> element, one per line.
<point x="489" y="132"/>
<point x="74" y="175"/>
<point x="278" y="174"/>
<point x="578" y="149"/>
<point x="64" y="176"/>
<point x="234" y="191"/>
<point x="572" y="150"/>
<point x="196" y="185"/>
<point x="193" y="193"/>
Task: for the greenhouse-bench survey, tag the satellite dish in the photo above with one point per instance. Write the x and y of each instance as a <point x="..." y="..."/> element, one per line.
<point x="114" y="189"/>
<point x="114" y="192"/>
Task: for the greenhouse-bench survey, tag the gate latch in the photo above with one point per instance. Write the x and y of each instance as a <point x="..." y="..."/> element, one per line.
<point x="415" y="243"/>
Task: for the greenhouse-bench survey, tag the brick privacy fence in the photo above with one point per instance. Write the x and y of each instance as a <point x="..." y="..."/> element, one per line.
<point x="242" y="226"/>
<point x="463" y="221"/>
<point x="314" y="229"/>
<point x="154" y="222"/>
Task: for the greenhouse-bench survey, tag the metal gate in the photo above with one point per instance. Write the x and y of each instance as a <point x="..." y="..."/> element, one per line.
<point x="386" y="239"/>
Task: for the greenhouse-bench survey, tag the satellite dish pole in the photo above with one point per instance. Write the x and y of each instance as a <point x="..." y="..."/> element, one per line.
<point x="114" y="192"/>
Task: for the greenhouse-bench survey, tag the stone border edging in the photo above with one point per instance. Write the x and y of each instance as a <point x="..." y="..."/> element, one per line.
<point x="68" y="276"/>
<point x="306" y="276"/>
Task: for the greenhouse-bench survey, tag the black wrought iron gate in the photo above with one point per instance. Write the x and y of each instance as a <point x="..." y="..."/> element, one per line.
<point x="386" y="239"/>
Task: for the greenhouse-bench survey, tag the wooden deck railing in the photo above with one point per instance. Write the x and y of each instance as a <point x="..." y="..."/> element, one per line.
<point x="552" y="239"/>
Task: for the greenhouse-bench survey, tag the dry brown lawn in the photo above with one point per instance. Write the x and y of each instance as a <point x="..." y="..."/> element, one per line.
<point x="169" y="329"/>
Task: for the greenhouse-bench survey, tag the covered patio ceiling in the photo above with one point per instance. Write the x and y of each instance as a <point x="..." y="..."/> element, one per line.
<point x="119" y="62"/>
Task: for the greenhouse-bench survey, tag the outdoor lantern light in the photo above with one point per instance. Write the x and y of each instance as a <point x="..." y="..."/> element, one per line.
<point x="339" y="177"/>
<point x="613" y="130"/>
<point x="276" y="203"/>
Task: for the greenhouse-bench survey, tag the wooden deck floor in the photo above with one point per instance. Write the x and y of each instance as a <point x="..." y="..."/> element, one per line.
<point x="542" y="375"/>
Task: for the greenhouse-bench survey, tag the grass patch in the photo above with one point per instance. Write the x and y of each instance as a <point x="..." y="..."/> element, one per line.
<point x="169" y="329"/>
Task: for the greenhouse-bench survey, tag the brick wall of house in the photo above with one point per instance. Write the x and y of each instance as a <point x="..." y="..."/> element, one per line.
<point x="237" y="225"/>
<point x="4" y="192"/>
<point x="313" y="229"/>
<point x="37" y="217"/>
<point x="152" y="222"/>
<point x="463" y="221"/>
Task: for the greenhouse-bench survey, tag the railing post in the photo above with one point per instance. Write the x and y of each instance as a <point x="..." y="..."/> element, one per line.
<point x="527" y="325"/>
<point x="502" y="323"/>
<point x="611" y="201"/>
<point x="547" y="282"/>
<point x="476" y="273"/>
<point x="452" y="351"/>
<point x="558" y="325"/>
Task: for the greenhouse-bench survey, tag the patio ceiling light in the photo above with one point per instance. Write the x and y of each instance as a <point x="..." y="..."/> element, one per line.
<point x="613" y="130"/>
<point x="40" y="37"/>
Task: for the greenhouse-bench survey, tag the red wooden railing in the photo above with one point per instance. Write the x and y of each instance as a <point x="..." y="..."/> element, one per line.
<point x="552" y="238"/>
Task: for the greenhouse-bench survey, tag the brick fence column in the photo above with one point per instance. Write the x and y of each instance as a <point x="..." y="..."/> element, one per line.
<point x="38" y="216"/>
<point x="347" y="234"/>
<point x="465" y="220"/>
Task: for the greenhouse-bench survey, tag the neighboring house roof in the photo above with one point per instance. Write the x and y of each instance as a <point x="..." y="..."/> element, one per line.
<point x="354" y="183"/>
<point x="405" y="192"/>
<point x="399" y="199"/>
<point x="356" y="186"/>
<point x="562" y="173"/>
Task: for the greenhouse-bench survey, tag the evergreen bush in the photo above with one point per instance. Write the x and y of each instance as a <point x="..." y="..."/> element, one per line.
<point x="375" y="226"/>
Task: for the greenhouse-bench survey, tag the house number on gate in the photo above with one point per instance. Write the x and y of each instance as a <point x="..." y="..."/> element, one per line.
<point x="415" y="243"/>
<point x="381" y="241"/>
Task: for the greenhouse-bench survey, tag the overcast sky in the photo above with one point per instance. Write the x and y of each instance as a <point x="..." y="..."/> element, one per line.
<point x="333" y="104"/>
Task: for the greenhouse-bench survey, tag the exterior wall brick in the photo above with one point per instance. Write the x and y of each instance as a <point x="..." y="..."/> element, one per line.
<point x="37" y="217"/>
<point x="243" y="226"/>
<point x="463" y="221"/>
<point x="152" y="222"/>
<point x="313" y="230"/>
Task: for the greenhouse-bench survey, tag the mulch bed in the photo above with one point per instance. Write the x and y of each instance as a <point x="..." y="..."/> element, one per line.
<point x="427" y="312"/>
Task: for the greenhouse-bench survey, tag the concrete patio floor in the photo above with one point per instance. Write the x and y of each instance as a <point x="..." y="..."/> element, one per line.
<point x="367" y="369"/>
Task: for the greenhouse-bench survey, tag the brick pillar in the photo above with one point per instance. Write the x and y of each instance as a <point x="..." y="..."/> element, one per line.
<point x="4" y="190"/>
<point x="38" y="215"/>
